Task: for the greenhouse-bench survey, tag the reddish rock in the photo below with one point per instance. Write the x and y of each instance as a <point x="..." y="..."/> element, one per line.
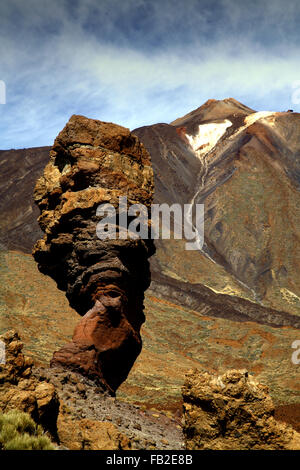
<point x="104" y="343"/>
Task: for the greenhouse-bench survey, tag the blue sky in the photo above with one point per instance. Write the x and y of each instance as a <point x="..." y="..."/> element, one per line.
<point x="139" y="62"/>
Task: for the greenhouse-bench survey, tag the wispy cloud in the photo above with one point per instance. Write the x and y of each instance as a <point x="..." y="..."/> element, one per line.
<point x="138" y="62"/>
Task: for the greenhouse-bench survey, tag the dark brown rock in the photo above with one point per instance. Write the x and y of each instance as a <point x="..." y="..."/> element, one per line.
<point x="91" y="163"/>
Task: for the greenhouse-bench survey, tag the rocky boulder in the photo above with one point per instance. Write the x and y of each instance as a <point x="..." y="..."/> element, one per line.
<point x="232" y="412"/>
<point x="85" y="434"/>
<point x="20" y="389"/>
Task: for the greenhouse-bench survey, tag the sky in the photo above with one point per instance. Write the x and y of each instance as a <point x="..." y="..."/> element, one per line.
<point x="140" y="62"/>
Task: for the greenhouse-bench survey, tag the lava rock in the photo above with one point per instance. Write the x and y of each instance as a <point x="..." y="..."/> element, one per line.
<point x="92" y="163"/>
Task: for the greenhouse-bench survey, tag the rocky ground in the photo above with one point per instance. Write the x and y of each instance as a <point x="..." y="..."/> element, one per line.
<point x="175" y="339"/>
<point x="81" y="398"/>
<point x="231" y="411"/>
<point x="77" y="412"/>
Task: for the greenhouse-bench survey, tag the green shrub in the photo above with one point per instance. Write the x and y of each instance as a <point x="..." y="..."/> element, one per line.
<point x="18" y="431"/>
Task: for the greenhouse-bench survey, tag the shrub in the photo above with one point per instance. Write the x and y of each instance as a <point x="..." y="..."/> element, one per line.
<point x="18" y="431"/>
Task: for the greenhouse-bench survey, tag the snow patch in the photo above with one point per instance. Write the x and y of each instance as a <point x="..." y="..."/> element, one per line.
<point x="289" y="296"/>
<point x="208" y="135"/>
<point x="259" y="115"/>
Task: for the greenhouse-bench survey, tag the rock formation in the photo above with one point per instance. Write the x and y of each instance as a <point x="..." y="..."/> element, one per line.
<point x="92" y="163"/>
<point x="232" y="412"/>
<point x="20" y="389"/>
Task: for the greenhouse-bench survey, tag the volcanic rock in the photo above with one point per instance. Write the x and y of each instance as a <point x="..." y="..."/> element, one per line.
<point x="86" y="434"/>
<point x="92" y="163"/>
<point x="20" y="389"/>
<point x="232" y="412"/>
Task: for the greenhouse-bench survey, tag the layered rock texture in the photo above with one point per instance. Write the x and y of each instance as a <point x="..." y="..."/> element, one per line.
<point x="93" y="163"/>
<point x="232" y="412"/>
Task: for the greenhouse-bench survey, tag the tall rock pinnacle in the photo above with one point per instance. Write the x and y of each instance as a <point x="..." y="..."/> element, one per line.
<point x="91" y="163"/>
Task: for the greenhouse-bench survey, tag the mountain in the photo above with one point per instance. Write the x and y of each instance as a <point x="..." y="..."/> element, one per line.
<point x="236" y="302"/>
<point x="19" y="170"/>
<point x="244" y="166"/>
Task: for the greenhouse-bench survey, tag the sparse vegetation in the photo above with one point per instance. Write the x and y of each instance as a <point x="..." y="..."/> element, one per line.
<point x="18" y="431"/>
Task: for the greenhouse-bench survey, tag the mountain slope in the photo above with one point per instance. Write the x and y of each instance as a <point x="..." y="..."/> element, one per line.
<point x="19" y="170"/>
<point x="248" y="180"/>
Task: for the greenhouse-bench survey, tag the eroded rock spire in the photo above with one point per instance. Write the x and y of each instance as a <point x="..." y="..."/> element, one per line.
<point x="93" y="162"/>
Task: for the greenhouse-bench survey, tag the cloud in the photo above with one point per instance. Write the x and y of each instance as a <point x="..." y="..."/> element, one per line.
<point x="139" y="62"/>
